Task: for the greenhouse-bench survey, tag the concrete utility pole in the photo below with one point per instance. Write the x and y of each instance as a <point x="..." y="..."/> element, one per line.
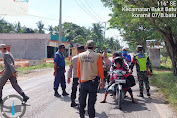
<point x="60" y="20"/>
<point x="104" y="31"/>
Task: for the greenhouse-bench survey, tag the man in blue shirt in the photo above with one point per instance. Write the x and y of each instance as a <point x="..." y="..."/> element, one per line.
<point x="126" y="56"/>
<point x="59" y="72"/>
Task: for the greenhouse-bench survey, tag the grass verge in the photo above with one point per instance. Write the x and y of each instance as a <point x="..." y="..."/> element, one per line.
<point x="41" y="66"/>
<point x="164" y="79"/>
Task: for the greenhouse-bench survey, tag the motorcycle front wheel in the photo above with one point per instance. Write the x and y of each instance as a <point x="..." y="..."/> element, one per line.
<point x="119" y="98"/>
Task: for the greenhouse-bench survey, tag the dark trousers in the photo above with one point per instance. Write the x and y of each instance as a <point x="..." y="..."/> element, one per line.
<point x="13" y="82"/>
<point x="88" y="88"/>
<point x="74" y="88"/>
<point x="60" y="79"/>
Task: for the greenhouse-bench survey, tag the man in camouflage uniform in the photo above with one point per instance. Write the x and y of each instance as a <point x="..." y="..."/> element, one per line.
<point x="142" y="62"/>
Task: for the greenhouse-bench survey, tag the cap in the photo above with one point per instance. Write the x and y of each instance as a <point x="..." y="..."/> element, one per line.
<point x="124" y="48"/>
<point x="139" y="47"/>
<point x="90" y="43"/>
<point x="61" y="46"/>
<point x="80" y="47"/>
<point x="3" y="46"/>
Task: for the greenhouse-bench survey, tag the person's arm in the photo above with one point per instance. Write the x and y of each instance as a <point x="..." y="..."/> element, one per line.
<point x="149" y="64"/>
<point x="100" y="70"/>
<point x="78" y="70"/>
<point x="133" y="63"/>
<point x="10" y="63"/>
<point x="55" y="64"/>
<point x="70" y="71"/>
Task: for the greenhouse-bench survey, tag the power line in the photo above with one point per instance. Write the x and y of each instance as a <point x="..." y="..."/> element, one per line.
<point x="93" y="11"/>
<point x="85" y="10"/>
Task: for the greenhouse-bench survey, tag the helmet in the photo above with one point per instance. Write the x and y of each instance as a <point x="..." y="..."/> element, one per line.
<point x="118" y="60"/>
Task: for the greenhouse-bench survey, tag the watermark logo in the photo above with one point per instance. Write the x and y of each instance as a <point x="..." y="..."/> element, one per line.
<point x="21" y="0"/>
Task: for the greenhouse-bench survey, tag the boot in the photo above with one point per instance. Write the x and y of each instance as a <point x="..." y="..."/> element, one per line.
<point x="82" y="116"/>
<point x="1" y="101"/>
<point x="73" y="103"/>
<point x="141" y="94"/>
<point x="25" y="98"/>
<point x="148" y="93"/>
<point x="65" y="93"/>
<point x="56" y="94"/>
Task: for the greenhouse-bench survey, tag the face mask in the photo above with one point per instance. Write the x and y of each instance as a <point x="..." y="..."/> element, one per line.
<point x="125" y="52"/>
<point x="0" y="52"/>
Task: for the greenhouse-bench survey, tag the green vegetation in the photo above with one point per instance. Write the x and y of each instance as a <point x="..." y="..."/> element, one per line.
<point x="41" y="66"/>
<point x="109" y="54"/>
<point x="164" y="79"/>
<point x="136" y="30"/>
<point x="73" y="33"/>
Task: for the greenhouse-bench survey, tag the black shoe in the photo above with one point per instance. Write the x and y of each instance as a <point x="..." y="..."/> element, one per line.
<point x="1" y="101"/>
<point x="65" y="93"/>
<point x="57" y="94"/>
<point x="141" y="95"/>
<point x="25" y="99"/>
<point x="73" y="104"/>
<point x="82" y="116"/>
<point x="148" y="93"/>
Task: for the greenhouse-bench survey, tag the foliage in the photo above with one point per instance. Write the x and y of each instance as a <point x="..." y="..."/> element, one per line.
<point x="136" y="30"/>
<point x="167" y="83"/>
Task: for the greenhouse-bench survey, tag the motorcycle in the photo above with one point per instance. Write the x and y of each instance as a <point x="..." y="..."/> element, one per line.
<point x="117" y="87"/>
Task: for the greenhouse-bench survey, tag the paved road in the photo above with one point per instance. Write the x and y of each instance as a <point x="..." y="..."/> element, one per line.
<point x="43" y="104"/>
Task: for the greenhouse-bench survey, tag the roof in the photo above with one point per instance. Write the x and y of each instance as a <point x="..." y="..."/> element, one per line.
<point x="24" y="36"/>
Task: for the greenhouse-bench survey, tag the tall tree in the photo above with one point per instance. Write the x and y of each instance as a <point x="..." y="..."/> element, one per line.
<point x="165" y="26"/>
<point x="40" y="26"/>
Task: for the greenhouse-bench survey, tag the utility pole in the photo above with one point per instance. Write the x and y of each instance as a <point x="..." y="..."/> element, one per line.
<point x="104" y="32"/>
<point x="60" y="20"/>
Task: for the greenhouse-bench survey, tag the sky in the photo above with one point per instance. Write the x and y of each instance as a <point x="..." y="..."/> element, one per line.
<point x="72" y="11"/>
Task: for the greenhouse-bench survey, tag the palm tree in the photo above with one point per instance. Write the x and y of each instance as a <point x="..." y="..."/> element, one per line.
<point x="40" y="26"/>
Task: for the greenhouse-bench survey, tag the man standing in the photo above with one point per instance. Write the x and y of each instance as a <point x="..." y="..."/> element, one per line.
<point x="89" y="70"/>
<point x="73" y="69"/>
<point x="126" y="56"/>
<point x="59" y="72"/>
<point x="142" y="62"/>
<point x="9" y="73"/>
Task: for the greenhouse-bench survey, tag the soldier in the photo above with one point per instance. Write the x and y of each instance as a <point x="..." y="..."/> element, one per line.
<point x="89" y="72"/>
<point x="9" y="73"/>
<point x="142" y="62"/>
<point x="59" y="72"/>
<point x="73" y="68"/>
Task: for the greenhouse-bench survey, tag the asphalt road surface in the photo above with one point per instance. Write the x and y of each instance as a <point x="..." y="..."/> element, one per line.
<point x="43" y="104"/>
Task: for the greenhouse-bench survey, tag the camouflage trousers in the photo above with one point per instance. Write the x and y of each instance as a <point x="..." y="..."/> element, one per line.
<point x="143" y="79"/>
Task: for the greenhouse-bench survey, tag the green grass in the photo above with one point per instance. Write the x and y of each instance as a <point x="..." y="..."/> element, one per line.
<point x="164" y="79"/>
<point x="41" y="66"/>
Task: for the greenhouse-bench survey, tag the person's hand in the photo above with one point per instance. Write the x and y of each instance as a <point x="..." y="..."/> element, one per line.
<point x="130" y="71"/>
<point x="54" y="74"/>
<point x="2" y="72"/>
<point x="15" y="75"/>
<point x="102" y="85"/>
<point x="68" y="80"/>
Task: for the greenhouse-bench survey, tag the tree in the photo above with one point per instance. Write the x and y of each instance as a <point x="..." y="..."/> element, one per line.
<point x="166" y="27"/>
<point x="18" y="27"/>
<point x="51" y="29"/>
<point x="40" y="26"/>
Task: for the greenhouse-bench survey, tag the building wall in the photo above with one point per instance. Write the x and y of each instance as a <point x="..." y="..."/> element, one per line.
<point x="26" y="46"/>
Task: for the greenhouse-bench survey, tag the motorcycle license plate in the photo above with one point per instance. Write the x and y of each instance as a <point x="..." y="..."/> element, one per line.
<point x="123" y="81"/>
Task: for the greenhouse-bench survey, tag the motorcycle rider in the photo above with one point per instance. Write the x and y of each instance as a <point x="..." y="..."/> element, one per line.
<point x="120" y="66"/>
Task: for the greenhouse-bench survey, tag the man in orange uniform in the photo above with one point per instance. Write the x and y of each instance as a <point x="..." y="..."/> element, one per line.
<point x="89" y="71"/>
